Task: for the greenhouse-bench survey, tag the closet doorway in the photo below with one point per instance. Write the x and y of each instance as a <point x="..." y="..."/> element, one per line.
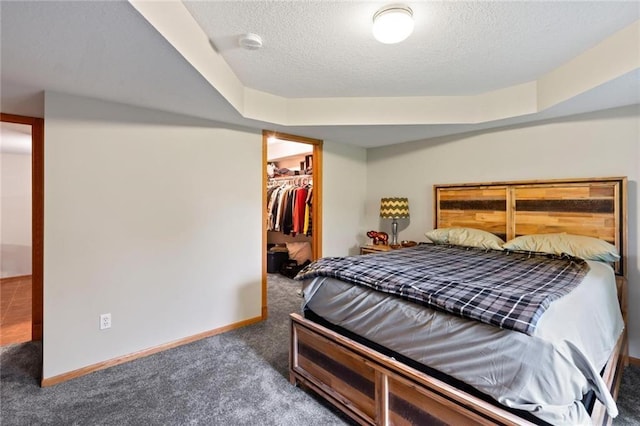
<point x="294" y="162"/>
<point x="35" y="279"/>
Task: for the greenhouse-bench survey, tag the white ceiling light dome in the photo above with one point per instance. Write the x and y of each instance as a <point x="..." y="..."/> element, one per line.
<point x="393" y="23"/>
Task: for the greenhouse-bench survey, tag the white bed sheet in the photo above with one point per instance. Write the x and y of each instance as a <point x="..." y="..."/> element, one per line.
<point x="546" y="374"/>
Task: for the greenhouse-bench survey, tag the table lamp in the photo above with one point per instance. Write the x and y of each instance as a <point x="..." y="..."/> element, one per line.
<point x="394" y="208"/>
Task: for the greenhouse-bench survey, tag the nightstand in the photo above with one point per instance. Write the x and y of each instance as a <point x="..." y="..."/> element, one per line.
<point x="371" y="248"/>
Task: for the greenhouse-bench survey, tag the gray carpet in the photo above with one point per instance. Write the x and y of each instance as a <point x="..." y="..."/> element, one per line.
<point x="629" y="398"/>
<point x="237" y="378"/>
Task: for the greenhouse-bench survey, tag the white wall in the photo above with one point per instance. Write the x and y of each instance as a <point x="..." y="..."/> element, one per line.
<point x="344" y="192"/>
<point x="589" y="145"/>
<point x="146" y="218"/>
<point x="142" y="220"/>
<point x="15" y="202"/>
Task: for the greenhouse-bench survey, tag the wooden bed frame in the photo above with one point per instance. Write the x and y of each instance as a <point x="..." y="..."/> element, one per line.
<point x="376" y="389"/>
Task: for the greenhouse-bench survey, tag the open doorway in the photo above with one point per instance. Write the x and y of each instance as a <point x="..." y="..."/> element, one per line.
<point x="15" y="238"/>
<point x="292" y="173"/>
<point x="22" y="225"/>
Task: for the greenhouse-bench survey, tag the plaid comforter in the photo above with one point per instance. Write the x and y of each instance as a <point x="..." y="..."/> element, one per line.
<point x="508" y="289"/>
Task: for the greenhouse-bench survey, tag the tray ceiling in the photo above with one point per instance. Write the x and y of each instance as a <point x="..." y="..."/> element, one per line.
<point x="320" y="73"/>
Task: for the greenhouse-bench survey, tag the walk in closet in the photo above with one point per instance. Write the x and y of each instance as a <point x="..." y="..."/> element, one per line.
<point x="292" y="215"/>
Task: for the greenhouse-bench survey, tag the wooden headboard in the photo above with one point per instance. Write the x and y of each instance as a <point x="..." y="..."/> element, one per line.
<point x="596" y="207"/>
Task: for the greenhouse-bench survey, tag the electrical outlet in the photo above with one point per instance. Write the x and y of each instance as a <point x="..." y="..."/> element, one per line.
<point x="105" y="321"/>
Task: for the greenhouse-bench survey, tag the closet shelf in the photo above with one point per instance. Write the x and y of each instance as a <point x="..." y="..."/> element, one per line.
<point x="296" y="180"/>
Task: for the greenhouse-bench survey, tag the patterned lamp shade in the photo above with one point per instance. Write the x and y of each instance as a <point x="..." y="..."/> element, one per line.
<point x="394" y="208"/>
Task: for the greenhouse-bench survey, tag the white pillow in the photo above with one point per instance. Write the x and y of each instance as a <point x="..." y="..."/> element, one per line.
<point x="467" y="237"/>
<point x="439" y="236"/>
<point x="575" y="245"/>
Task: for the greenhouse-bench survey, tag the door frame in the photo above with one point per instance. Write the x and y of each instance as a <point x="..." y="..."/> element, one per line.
<point x="316" y="201"/>
<point x="37" y="216"/>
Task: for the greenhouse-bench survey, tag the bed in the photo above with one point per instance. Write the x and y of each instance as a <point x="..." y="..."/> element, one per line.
<point x="346" y="347"/>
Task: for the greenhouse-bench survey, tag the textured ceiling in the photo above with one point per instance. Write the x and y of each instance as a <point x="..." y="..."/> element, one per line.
<point x="326" y="49"/>
<point x="108" y="50"/>
<point x="96" y="49"/>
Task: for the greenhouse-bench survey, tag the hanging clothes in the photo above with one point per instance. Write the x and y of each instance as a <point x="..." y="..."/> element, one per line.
<point x="288" y="207"/>
<point x="308" y="228"/>
<point x="300" y="201"/>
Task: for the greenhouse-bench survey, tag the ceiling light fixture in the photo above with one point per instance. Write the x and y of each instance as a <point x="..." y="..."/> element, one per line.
<point x="393" y="23"/>
<point x="250" y="41"/>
